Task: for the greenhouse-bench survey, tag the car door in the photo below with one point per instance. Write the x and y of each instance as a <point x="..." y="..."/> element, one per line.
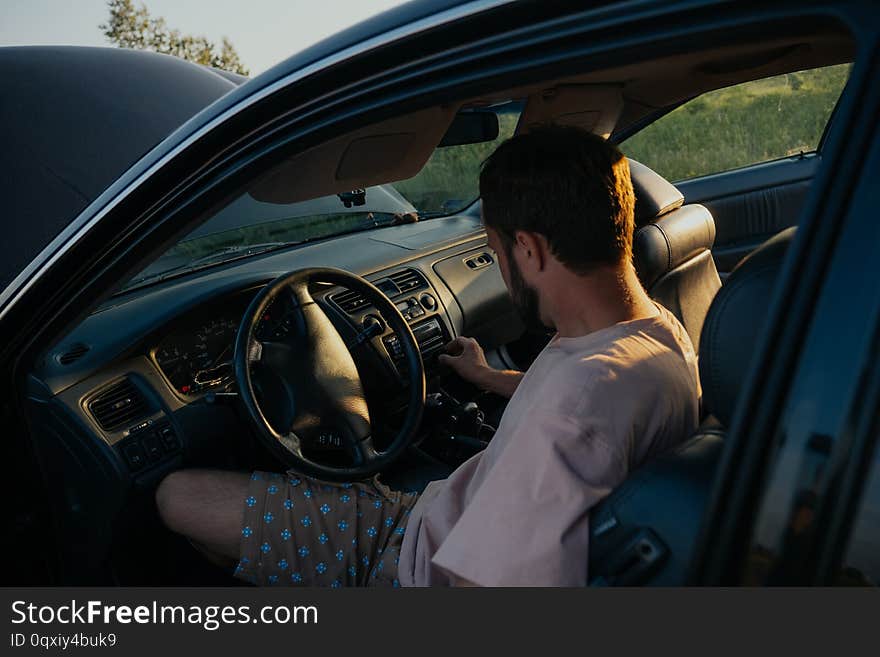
<point x="748" y="152"/>
<point x="797" y="488"/>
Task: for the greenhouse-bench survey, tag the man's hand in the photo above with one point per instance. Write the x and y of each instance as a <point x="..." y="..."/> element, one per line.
<point x="466" y="357"/>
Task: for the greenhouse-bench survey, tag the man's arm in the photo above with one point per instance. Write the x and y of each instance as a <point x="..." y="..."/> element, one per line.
<point x="501" y="382"/>
<point x="466" y="357"/>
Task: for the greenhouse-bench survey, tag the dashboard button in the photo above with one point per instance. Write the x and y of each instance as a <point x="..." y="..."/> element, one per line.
<point x="152" y="446"/>
<point x="169" y="439"/>
<point x="135" y="456"/>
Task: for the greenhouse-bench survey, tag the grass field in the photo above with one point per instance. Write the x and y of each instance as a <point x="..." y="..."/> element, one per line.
<point x="741" y="125"/>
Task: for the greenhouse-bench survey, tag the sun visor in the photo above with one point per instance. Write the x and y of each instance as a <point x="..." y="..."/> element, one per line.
<point x="593" y="107"/>
<point x="384" y="152"/>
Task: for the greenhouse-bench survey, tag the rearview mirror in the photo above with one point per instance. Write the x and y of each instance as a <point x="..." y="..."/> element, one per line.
<point x="471" y="127"/>
<point x="354" y="197"/>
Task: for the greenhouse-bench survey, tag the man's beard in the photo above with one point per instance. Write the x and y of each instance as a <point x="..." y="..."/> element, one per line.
<point x="525" y="298"/>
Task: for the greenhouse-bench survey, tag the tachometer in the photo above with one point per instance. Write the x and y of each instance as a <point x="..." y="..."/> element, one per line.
<point x="213" y="342"/>
<point x="199" y="357"/>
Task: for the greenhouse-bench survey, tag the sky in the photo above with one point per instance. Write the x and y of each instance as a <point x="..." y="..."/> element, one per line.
<point x="264" y="32"/>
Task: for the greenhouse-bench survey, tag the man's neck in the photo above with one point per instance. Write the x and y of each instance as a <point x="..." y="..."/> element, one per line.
<point x="581" y="304"/>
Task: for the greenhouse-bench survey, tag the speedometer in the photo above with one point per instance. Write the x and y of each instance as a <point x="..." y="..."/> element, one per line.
<point x="213" y="342"/>
<point x="199" y="357"/>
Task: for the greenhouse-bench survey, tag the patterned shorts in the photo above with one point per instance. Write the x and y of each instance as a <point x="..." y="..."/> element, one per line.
<point x="299" y="531"/>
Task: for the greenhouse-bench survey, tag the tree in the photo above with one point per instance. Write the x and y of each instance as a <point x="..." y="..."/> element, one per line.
<point x="131" y="27"/>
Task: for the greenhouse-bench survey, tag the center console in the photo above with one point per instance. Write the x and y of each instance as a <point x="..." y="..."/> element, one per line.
<point x="417" y="300"/>
<point x="430" y="337"/>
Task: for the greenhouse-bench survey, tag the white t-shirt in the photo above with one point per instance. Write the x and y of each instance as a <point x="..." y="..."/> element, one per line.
<point x="588" y="411"/>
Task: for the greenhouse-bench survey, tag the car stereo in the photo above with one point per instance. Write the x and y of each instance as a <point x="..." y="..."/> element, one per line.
<point x="430" y="336"/>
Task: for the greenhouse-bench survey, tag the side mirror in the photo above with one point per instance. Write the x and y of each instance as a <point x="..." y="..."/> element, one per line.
<point x="473" y="126"/>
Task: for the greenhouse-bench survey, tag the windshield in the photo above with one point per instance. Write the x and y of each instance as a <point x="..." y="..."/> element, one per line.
<point x="448" y="183"/>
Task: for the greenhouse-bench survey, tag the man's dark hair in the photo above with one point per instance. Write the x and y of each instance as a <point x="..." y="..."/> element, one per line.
<point x="567" y="184"/>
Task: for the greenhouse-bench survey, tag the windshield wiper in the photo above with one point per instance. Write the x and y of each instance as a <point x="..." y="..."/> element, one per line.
<point x="220" y="255"/>
<point x="243" y="249"/>
<point x="239" y="251"/>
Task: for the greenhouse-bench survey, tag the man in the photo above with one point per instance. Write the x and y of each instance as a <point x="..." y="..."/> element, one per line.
<point x="616" y="385"/>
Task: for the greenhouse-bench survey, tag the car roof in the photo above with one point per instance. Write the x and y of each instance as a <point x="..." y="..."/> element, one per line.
<point x="72" y="120"/>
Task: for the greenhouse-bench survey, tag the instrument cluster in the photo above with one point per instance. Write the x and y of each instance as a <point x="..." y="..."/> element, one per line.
<point x="197" y="357"/>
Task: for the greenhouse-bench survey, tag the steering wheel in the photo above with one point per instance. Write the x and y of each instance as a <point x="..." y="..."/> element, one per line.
<point x="321" y="386"/>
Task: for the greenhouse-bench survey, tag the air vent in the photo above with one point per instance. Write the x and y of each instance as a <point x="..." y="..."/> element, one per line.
<point x="73" y="353"/>
<point x="409" y="280"/>
<point x="351" y="301"/>
<point x="406" y="280"/>
<point x="119" y="405"/>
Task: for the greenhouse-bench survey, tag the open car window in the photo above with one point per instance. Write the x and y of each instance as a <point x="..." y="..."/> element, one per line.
<point x="738" y="126"/>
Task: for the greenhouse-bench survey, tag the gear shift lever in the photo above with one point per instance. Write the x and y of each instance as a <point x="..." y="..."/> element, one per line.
<point x="464" y="418"/>
<point x="467" y="418"/>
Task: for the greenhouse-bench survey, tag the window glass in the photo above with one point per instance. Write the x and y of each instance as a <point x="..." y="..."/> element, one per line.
<point x="450" y="179"/>
<point x="741" y="125"/>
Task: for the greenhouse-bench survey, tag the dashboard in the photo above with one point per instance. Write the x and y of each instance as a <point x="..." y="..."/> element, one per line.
<point x="143" y="385"/>
<point x="136" y="384"/>
<point x="196" y="356"/>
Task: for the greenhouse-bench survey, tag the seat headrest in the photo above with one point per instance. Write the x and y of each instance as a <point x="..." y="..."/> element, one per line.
<point x="655" y="196"/>
<point x="734" y="324"/>
<point x="661" y="246"/>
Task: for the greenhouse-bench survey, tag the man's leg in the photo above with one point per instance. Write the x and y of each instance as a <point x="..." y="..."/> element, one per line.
<point x="206" y="507"/>
<point x="288" y="529"/>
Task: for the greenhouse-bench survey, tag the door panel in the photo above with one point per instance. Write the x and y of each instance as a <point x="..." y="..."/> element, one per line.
<point x="750" y="205"/>
<point x="747" y="152"/>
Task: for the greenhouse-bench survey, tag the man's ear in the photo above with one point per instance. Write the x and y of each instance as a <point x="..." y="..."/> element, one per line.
<point x="533" y="248"/>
